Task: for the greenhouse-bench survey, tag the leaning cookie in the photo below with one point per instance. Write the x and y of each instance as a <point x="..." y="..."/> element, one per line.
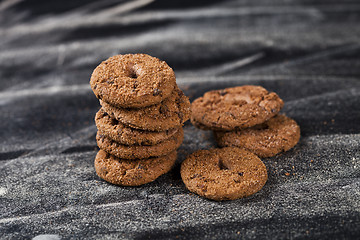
<point x="129" y="136"/>
<point x="137" y="151"/>
<point x="235" y="108"/>
<point x="223" y="173"/>
<point x="133" y="80"/>
<point x="169" y="114"/>
<point x="279" y="134"/>
<point x="132" y="172"/>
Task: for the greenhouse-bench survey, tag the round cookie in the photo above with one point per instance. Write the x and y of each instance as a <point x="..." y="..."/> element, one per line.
<point x="133" y="80"/>
<point x="235" y="108"/>
<point x="223" y="173"/>
<point x="129" y="136"/>
<point x="171" y="113"/>
<point x="136" y="151"/>
<point x="279" y="134"/>
<point x="132" y="172"/>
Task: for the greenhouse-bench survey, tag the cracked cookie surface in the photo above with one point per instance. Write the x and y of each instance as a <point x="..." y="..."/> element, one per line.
<point x="235" y="108"/>
<point x="129" y="136"/>
<point x="278" y="134"/>
<point x="133" y="80"/>
<point x="137" y="151"/>
<point x="171" y="113"/>
<point x="132" y="172"/>
<point x="223" y="173"/>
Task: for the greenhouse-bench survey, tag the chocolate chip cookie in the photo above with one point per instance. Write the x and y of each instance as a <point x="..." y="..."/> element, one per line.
<point x="235" y="108"/>
<point x="129" y="136"/>
<point x="169" y="114"/>
<point x="223" y="173"/>
<point x="136" y="151"/>
<point x="279" y="134"/>
<point x="133" y="80"/>
<point x="132" y="172"/>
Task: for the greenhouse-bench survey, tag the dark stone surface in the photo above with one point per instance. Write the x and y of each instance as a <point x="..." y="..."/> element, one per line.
<point x="306" y="51"/>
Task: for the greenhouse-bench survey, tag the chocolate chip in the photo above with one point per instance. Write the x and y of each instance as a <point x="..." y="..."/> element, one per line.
<point x="180" y="93"/>
<point x="163" y="109"/>
<point x="110" y="82"/>
<point x="156" y="92"/>
<point x="232" y="115"/>
<point x="181" y="116"/>
<point x="194" y="176"/>
<point x="135" y="84"/>
<point x="241" y="173"/>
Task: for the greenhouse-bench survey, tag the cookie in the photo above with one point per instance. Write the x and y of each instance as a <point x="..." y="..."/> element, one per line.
<point x="136" y="151"/>
<point x="133" y="80"/>
<point x="279" y="134"/>
<point x="129" y="136"/>
<point x="171" y="113"/>
<point x="235" y="108"/>
<point x="223" y="173"/>
<point x="199" y="125"/>
<point x="132" y="172"/>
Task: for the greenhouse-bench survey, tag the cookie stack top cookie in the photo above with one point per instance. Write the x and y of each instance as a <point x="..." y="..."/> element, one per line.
<point x="133" y="80"/>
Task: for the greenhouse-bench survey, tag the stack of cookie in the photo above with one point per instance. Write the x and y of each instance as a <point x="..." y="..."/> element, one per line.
<point x="140" y="122"/>
<point x="246" y="117"/>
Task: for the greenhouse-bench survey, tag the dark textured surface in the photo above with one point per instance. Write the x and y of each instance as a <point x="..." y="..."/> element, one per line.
<point x="306" y="51"/>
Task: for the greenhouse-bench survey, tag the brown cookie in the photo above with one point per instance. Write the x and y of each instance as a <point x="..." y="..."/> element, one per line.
<point x="129" y="136"/>
<point x="279" y="134"/>
<point x="223" y="173"/>
<point x="235" y="108"/>
<point x="199" y="125"/>
<point x="171" y="113"/>
<point x="132" y="172"/>
<point x="133" y="80"/>
<point x="136" y="151"/>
